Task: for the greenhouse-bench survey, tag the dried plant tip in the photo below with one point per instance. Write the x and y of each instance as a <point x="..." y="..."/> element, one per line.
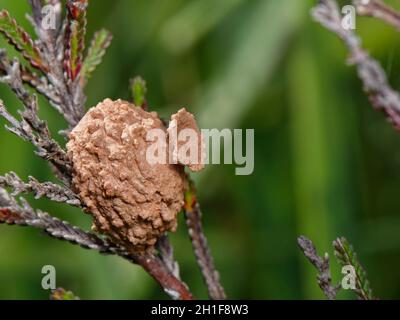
<point x="132" y="201"/>
<point x="322" y="265"/>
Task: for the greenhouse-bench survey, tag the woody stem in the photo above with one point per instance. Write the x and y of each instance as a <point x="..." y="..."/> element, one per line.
<point x="157" y="269"/>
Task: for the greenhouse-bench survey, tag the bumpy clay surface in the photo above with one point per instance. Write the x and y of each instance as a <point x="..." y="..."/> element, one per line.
<point x="185" y="120"/>
<point x="131" y="200"/>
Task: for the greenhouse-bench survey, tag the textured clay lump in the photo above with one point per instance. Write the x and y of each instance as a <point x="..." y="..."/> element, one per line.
<point x="180" y="121"/>
<point x="132" y="201"/>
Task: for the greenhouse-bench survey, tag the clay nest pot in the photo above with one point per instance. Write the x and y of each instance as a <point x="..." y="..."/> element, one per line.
<point x="132" y="201"/>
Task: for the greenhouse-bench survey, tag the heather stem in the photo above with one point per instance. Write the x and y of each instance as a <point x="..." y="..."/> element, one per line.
<point x="200" y="245"/>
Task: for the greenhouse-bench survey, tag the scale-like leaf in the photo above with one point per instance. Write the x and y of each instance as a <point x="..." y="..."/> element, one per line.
<point x="75" y="37"/>
<point x="21" y="40"/>
<point x="138" y="92"/>
<point x="99" y="44"/>
<point x="346" y="255"/>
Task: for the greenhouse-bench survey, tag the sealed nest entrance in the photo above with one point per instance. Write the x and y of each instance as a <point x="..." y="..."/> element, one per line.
<point x="132" y="201"/>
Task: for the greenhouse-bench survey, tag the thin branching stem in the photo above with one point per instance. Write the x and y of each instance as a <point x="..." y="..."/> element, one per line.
<point x="374" y="79"/>
<point x="378" y="9"/>
<point x="200" y="245"/>
<point x="324" y="278"/>
<point x="58" y="55"/>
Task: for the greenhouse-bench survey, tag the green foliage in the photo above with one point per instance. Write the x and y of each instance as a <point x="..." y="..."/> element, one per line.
<point x="325" y="163"/>
<point x="20" y="39"/>
<point x="99" y="44"/>
<point x="62" y="294"/>
<point x="188" y="26"/>
<point x="75" y="36"/>
<point x="138" y="91"/>
<point x="346" y="255"/>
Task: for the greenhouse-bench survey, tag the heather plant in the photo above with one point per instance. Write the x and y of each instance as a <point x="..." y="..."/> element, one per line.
<point x="58" y="67"/>
<point x="56" y="64"/>
<point x="382" y="97"/>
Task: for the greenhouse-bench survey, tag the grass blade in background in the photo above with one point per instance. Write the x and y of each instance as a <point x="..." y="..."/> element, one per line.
<point x="191" y="23"/>
<point x="250" y="64"/>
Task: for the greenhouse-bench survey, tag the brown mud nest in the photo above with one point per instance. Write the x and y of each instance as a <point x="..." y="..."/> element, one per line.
<point x="132" y="201"/>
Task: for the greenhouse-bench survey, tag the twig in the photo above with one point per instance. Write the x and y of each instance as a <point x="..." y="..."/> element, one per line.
<point x="35" y="131"/>
<point x="200" y="246"/>
<point x="175" y="288"/>
<point x="346" y="255"/>
<point x="96" y="51"/>
<point x="50" y="190"/>
<point x="166" y="254"/>
<point x="21" y="41"/>
<point x="58" y="54"/>
<point x="378" y="9"/>
<point x="374" y="79"/>
<point x="72" y="99"/>
<point x="12" y="213"/>
<point x="322" y="265"/>
<point x="39" y="83"/>
<point x="31" y="128"/>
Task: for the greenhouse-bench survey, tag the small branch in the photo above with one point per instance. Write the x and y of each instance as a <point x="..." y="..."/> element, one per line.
<point x="75" y="37"/>
<point x="346" y="255"/>
<point x="378" y="9"/>
<point x="47" y="148"/>
<point x="12" y="213"/>
<point x="322" y="265"/>
<point x="175" y="288"/>
<point x="74" y="46"/>
<point x="166" y="254"/>
<point x="63" y="88"/>
<point x="374" y="79"/>
<point x="36" y="6"/>
<point x="39" y="83"/>
<point x="98" y="46"/>
<point x="21" y="41"/>
<point x="50" y="190"/>
<point x="71" y="98"/>
<point x="31" y="128"/>
<point x="44" y="55"/>
<point x="200" y="245"/>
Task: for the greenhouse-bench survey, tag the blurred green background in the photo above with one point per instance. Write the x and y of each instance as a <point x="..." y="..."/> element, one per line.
<point x="326" y="164"/>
